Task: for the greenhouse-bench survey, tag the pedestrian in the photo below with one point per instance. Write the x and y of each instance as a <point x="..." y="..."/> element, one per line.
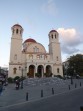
<point x="17" y="84"/>
<point x="1" y="87"/>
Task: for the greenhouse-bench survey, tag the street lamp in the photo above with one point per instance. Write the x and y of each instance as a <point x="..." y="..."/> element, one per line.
<point x="71" y="76"/>
<point x="71" y="80"/>
<point x="22" y="80"/>
<point x="22" y="76"/>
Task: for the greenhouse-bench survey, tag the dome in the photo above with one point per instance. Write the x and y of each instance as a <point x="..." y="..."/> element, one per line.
<point x="52" y="31"/>
<point x="17" y="25"/>
<point x="29" y="40"/>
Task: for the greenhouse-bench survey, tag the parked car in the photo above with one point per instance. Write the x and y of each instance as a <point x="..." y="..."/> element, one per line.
<point x="77" y="76"/>
<point x="68" y="77"/>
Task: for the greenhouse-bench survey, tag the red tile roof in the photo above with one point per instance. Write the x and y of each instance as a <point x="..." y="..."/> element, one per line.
<point x="17" y="25"/>
<point x="29" y="40"/>
<point x="53" y="31"/>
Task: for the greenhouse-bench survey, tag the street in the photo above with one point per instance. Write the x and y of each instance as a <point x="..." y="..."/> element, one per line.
<point x="43" y="94"/>
<point x="70" y="101"/>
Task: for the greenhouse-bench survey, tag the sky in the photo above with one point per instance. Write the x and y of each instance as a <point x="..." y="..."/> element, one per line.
<point x="38" y="18"/>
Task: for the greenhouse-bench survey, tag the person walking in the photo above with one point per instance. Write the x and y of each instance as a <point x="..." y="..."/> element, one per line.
<point x="17" y="84"/>
<point x="1" y="86"/>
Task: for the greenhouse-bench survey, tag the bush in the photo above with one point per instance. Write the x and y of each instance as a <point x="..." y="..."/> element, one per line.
<point x="48" y="74"/>
<point x="16" y="78"/>
<point x="22" y="78"/>
<point x="10" y="80"/>
<point x="59" y="76"/>
<point x="38" y="75"/>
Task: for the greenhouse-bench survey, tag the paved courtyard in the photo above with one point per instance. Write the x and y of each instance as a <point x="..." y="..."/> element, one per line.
<point x="37" y="89"/>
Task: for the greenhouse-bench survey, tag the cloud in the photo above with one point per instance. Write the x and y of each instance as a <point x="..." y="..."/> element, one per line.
<point x="69" y="50"/>
<point x="49" y="7"/>
<point x="70" y="40"/>
<point x="69" y="36"/>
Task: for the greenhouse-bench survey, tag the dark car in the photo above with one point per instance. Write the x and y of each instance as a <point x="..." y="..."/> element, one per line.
<point x="77" y="76"/>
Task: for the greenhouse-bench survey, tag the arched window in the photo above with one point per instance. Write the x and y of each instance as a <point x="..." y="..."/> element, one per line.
<point x="36" y="49"/>
<point x="57" y="58"/>
<point x="30" y="56"/>
<point x="15" y="57"/>
<point x="46" y="56"/>
<point x="55" y="36"/>
<point x="17" y="31"/>
<point x="57" y="70"/>
<point x="38" y="56"/>
<point x="20" y="31"/>
<point x="14" y="70"/>
<point x="52" y="36"/>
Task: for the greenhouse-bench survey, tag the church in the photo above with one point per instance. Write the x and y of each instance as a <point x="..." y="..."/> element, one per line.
<point x="29" y="58"/>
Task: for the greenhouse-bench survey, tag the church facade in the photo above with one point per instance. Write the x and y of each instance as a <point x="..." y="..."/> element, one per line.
<point x="30" y="59"/>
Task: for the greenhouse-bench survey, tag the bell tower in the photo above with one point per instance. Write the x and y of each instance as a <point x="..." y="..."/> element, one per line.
<point x="15" y="50"/>
<point x="54" y="46"/>
<point x="55" y="51"/>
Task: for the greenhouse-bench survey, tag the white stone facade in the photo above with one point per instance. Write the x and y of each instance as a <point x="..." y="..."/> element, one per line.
<point x="29" y="58"/>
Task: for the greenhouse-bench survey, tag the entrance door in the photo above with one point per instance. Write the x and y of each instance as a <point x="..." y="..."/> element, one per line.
<point x="48" y="71"/>
<point x="40" y="71"/>
<point x="31" y="71"/>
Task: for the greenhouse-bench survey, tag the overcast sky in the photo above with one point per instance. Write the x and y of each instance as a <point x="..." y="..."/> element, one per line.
<point x="38" y="17"/>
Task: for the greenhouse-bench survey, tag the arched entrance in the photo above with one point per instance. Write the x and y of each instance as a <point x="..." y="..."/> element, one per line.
<point x="48" y="71"/>
<point x="40" y="71"/>
<point x="31" y="71"/>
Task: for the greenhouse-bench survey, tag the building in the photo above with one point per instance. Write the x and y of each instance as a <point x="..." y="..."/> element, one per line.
<point x="29" y="58"/>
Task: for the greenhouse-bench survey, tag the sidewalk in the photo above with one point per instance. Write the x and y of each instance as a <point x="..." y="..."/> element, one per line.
<point x="12" y="96"/>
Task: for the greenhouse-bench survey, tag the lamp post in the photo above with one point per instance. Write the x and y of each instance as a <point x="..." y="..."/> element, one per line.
<point x="22" y="76"/>
<point x="71" y="80"/>
<point x="73" y="73"/>
<point x="71" y="76"/>
<point x="22" y="79"/>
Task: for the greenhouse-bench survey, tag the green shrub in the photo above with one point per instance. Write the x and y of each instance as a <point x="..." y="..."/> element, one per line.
<point x="59" y="76"/>
<point x="48" y="75"/>
<point x="16" y="78"/>
<point x="22" y="78"/>
<point x="10" y="80"/>
<point x="38" y="75"/>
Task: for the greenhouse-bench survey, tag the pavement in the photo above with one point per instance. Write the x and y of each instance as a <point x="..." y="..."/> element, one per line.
<point x="35" y="90"/>
<point x="70" y="101"/>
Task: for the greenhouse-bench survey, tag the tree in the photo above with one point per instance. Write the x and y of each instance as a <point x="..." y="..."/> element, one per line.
<point x="10" y="80"/>
<point x="75" y="65"/>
